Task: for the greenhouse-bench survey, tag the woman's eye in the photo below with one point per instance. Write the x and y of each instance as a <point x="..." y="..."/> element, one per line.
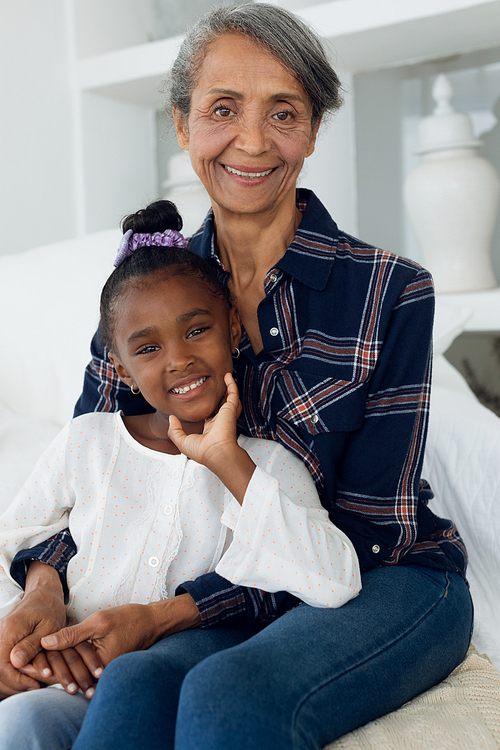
<point x="283" y="116"/>
<point x="222" y="111"/>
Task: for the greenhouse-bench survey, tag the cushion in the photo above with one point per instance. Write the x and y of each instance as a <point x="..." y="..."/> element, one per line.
<point x="49" y="309"/>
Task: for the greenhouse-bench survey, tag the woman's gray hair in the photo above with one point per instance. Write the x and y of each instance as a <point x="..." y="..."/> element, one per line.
<point x="280" y="32"/>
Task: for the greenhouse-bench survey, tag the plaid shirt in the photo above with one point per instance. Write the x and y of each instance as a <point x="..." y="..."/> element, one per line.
<point x="343" y="381"/>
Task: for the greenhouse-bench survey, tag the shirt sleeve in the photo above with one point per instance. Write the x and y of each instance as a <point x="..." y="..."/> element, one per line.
<point x="56" y="552"/>
<point x="283" y="539"/>
<point x="39" y="511"/>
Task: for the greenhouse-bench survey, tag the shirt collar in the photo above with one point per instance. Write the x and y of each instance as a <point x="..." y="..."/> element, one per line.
<point x="312" y="252"/>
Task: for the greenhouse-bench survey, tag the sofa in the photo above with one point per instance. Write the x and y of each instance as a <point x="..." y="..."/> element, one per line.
<point x="48" y="312"/>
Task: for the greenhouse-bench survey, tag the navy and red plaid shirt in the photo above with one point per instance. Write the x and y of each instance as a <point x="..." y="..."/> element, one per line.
<point x="343" y="381"/>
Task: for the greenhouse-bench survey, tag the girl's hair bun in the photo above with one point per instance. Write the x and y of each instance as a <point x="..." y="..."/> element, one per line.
<point x="157" y="217"/>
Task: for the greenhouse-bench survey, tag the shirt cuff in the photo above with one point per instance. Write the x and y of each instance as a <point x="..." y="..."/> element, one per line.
<point x="56" y="552"/>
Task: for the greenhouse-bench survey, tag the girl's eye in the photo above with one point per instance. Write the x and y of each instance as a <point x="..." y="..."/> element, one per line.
<point x="196" y="332"/>
<point x="148" y="349"/>
<point x="283" y="116"/>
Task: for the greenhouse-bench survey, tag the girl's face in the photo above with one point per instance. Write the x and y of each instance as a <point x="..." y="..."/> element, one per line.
<point x="173" y="340"/>
<point x="249" y="128"/>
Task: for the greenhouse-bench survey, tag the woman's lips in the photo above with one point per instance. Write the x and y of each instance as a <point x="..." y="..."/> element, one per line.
<point x="248" y="175"/>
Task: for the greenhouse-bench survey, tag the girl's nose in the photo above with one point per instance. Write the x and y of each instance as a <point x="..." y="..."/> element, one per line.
<point x="179" y="357"/>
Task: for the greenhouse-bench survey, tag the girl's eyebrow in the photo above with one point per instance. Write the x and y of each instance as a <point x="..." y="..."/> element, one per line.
<point x="153" y="330"/>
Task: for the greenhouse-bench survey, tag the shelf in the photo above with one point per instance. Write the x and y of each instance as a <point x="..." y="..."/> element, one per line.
<point x="362" y="34"/>
<point x="485" y="306"/>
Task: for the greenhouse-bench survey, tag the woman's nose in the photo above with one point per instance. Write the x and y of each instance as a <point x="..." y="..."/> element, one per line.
<point x="252" y="137"/>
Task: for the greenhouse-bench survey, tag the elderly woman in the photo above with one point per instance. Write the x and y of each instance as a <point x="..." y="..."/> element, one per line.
<point x="335" y="365"/>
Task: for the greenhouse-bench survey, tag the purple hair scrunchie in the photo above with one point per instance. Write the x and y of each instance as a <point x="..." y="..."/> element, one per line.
<point x="131" y="242"/>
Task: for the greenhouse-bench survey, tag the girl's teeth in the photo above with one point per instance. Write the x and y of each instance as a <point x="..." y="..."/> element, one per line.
<point x="248" y="174"/>
<point x="189" y="387"/>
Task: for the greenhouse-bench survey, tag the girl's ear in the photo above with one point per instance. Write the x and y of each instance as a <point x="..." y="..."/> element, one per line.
<point x="235" y="327"/>
<point x="181" y="129"/>
<point x="120" y="370"/>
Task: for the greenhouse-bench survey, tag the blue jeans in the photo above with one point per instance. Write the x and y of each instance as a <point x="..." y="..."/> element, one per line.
<point x="301" y="682"/>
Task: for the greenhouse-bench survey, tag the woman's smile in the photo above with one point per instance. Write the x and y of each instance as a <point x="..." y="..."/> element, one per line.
<point x="249" y="128"/>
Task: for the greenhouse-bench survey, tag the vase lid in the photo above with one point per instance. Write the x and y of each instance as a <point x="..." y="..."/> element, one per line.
<point x="445" y="128"/>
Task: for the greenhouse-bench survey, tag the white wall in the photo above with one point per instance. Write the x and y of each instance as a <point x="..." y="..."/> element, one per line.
<point x="37" y="167"/>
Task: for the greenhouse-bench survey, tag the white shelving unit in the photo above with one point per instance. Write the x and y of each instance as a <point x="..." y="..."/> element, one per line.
<point x="119" y="92"/>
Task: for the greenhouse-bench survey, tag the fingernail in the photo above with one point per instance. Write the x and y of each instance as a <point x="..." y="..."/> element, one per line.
<point x="98" y="672"/>
<point x="21" y="657"/>
<point x="72" y="688"/>
<point x="46" y="672"/>
<point x="89" y="693"/>
<point x="50" y="640"/>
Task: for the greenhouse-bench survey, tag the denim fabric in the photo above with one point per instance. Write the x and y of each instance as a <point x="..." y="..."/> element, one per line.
<point x="301" y="682"/>
<point x="46" y="719"/>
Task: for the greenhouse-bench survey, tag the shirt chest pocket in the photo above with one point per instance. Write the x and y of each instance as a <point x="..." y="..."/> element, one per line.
<point x="318" y="406"/>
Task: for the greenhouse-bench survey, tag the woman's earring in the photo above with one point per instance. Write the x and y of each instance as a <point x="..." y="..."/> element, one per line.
<point x="136" y="393"/>
<point x="236" y="353"/>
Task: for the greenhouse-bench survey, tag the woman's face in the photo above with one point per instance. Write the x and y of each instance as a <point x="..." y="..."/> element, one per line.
<point x="173" y="339"/>
<point x="249" y="128"/>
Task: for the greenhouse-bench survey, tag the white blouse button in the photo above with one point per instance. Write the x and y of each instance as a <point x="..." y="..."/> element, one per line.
<point x="274" y="331"/>
<point x="273" y="277"/>
<point x="314" y="418"/>
<point x="153" y="562"/>
<point x="169" y="509"/>
<point x="376" y="549"/>
<point x="175" y="473"/>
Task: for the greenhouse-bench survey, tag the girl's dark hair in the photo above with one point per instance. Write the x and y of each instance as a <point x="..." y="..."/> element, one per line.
<point x="151" y="261"/>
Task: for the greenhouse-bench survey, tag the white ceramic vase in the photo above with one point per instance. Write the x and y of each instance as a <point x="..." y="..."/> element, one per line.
<point x="452" y="199"/>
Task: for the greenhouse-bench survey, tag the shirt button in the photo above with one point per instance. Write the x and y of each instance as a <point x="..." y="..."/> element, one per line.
<point x="314" y="418"/>
<point x="169" y="510"/>
<point x="274" y="331"/>
<point x="175" y="473"/>
<point x="154" y="562"/>
<point x="376" y="549"/>
<point x="273" y="277"/>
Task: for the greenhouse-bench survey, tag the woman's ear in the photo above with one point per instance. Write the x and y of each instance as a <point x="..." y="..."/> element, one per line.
<point x="312" y="139"/>
<point x="181" y="129"/>
<point x="121" y="371"/>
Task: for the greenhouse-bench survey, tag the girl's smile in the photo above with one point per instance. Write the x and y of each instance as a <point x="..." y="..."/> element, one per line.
<point x="173" y="341"/>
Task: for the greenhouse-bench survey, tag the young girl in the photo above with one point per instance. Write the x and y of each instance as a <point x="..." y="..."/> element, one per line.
<point x="155" y="499"/>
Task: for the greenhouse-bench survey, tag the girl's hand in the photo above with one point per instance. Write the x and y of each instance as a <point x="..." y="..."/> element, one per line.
<point x="217" y="447"/>
<point x="219" y="433"/>
<point x="68" y="668"/>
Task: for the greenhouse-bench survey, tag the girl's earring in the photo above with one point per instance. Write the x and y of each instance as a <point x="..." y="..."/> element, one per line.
<point x="236" y="353"/>
<point x="136" y="393"/>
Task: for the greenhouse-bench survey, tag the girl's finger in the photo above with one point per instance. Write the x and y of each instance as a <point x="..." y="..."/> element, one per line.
<point x="71" y="671"/>
<point x="91" y="658"/>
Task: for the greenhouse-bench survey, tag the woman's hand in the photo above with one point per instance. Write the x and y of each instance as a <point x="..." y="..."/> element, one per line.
<point x="40" y="612"/>
<point x="131" y="627"/>
<point x="68" y="668"/>
<point x="217" y="447"/>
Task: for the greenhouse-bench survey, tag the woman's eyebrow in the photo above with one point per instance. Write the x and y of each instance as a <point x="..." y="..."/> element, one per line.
<point x="274" y="97"/>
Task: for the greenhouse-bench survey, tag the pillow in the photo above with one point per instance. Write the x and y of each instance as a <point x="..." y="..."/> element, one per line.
<point x="49" y="309"/>
<point x="22" y="441"/>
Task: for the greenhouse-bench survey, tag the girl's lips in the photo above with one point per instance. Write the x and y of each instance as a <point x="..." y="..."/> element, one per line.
<point x="182" y="390"/>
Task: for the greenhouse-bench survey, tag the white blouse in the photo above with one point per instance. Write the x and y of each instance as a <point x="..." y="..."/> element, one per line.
<point x="144" y="522"/>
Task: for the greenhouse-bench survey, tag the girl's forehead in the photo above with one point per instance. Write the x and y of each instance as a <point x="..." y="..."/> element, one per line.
<point x="170" y="296"/>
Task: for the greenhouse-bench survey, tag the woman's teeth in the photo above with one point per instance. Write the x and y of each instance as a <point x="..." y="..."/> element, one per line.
<point x="189" y="387"/>
<point x="252" y="175"/>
